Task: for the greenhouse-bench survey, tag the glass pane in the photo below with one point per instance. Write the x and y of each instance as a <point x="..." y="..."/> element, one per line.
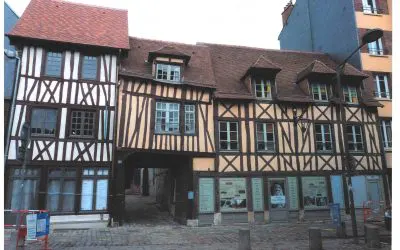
<point x="101" y="195"/>
<point x="87" y="195"/>
<point x="53" y="195"/>
<point x="68" y="196"/>
<point x="223" y="126"/>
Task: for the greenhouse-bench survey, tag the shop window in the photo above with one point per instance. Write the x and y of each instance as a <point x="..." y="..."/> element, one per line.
<point x="61" y="190"/>
<point x="315" y="193"/>
<point x="206" y="195"/>
<point x="233" y="195"/>
<point x="94" y="189"/>
<point x="53" y="64"/>
<point x="277" y="191"/>
<point x="265" y="137"/>
<point x="257" y="194"/>
<point x="228" y="136"/>
<point x="43" y="121"/>
<point x="26" y="197"/>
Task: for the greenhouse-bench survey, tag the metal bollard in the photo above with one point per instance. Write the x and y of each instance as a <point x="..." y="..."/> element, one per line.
<point x="244" y="239"/>
<point x="315" y="238"/>
<point x="341" y="230"/>
<point x="372" y="237"/>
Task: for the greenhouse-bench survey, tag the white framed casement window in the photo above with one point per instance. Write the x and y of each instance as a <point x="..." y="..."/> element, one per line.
<point x="61" y="190"/>
<point x="94" y="189"/>
<point x="355" y="138"/>
<point x="167" y="117"/>
<point x="319" y="92"/>
<point x="382" y="86"/>
<point x="168" y="72"/>
<point x="190" y="115"/>
<point x="386" y="129"/>
<point x="228" y="136"/>
<point x="376" y="47"/>
<point x="350" y="94"/>
<point x="323" y="138"/>
<point x="369" y="6"/>
<point x="263" y="88"/>
<point x="265" y="137"/>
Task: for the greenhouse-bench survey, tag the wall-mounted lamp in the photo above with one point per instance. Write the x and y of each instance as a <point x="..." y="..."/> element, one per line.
<point x="299" y="121"/>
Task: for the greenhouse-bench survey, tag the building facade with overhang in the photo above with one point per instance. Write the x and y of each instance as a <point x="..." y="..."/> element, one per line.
<point x="245" y="134"/>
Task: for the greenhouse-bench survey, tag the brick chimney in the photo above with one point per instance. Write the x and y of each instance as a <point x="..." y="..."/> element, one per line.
<point x="286" y="12"/>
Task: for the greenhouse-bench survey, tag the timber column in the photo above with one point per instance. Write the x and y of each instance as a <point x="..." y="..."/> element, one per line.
<point x="118" y="199"/>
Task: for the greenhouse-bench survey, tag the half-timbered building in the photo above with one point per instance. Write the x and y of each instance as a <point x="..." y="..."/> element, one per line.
<point x="66" y="92"/>
<point x="251" y="135"/>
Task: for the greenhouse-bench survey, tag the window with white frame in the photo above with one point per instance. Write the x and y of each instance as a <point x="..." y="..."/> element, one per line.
<point x="167" y="117"/>
<point x="369" y="6"/>
<point x="386" y="129"/>
<point x="265" y="137"/>
<point x="354" y="138"/>
<point x="319" y="91"/>
<point x="190" y="118"/>
<point x="168" y="72"/>
<point x="376" y="47"/>
<point x="263" y="88"/>
<point x="94" y="189"/>
<point x="228" y="136"/>
<point x="382" y="86"/>
<point x="323" y="136"/>
<point x="350" y="94"/>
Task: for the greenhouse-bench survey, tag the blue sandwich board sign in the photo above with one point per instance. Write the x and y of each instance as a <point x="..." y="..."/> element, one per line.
<point x="42" y="224"/>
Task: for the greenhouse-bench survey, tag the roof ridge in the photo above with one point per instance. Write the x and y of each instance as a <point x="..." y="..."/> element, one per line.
<point x="87" y="5"/>
<point x="164" y="41"/>
<point x="258" y="48"/>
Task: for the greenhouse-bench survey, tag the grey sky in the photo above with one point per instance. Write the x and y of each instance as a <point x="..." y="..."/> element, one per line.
<point x="250" y="23"/>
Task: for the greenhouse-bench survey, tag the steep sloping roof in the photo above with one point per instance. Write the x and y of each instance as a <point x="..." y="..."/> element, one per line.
<point x="264" y="63"/>
<point x="61" y="21"/>
<point x="169" y="50"/>
<point x="350" y="70"/>
<point x="198" y="72"/>
<point x="315" y="67"/>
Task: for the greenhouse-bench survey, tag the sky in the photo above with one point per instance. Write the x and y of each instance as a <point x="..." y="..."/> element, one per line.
<point x="255" y="23"/>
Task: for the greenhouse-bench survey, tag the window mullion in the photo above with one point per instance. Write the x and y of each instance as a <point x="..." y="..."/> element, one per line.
<point x="323" y="137"/>
<point x="265" y="136"/>
<point x="353" y="128"/>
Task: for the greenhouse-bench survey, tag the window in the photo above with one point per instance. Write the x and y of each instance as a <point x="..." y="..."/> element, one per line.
<point x="369" y="6"/>
<point x="167" y="117"/>
<point x="350" y="94"/>
<point x="228" y="136"/>
<point x="265" y="137"/>
<point x="354" y="138"/>
<point x="43" y="121"/>
<point x="263" y="88"/>
<point x="319" y="91"/>
<point x="82" y="123"/>
<point x="94" y="189"/>
<point x="323" y="137"/>
<point x="375" y="48"/>
<point x="26" y="198"/>
<point x="386" y="128"/>
<point x="61" y="190"/>
<point x="53" y="64"/>
<point x="190" y="119"/>
<point x="232" y="194"/>
<point x="168" y="72"/>
<point x="89" y="67"/>
<point x="382" y="86"/>
<point x="315" y="193"/>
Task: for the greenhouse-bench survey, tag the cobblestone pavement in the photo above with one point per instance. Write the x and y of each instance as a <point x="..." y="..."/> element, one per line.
<point x="156" y="230"/>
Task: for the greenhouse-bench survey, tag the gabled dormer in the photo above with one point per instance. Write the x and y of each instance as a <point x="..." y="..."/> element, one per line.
<point x="260" y="78"/>
<point x="351" y="82"/>
<point x="168" y="64"/>
<point x="316" y="79"/>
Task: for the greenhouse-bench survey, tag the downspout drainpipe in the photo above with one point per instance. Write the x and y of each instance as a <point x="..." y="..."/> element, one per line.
<point x="14" y="97"/>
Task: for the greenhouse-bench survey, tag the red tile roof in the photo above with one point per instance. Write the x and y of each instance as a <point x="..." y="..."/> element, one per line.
<point x="55" y="20"/>
<point x="315" y="67"/>
<point x="198" y="72"/>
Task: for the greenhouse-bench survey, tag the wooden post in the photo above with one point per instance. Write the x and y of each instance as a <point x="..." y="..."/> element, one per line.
<point x="244" y="239"/>
<point x="315" y="240"/>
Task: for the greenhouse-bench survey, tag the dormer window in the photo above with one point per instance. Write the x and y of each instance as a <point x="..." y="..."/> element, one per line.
<point x="319" y="91"/>
<point x="168" y="72"/>
<point x="263" y="88"/>
<point x="350" y="94"/>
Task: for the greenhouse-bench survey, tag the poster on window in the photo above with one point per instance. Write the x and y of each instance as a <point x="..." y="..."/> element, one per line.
<point x="87" y="195"/>
<point x="206" y="195"/>
<point x="314" y="192"/>
<point x="232" y="193"/>
<point x="292" y="193"/>
<point x="277" y="193"/>
<point x="101" y="194"/>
